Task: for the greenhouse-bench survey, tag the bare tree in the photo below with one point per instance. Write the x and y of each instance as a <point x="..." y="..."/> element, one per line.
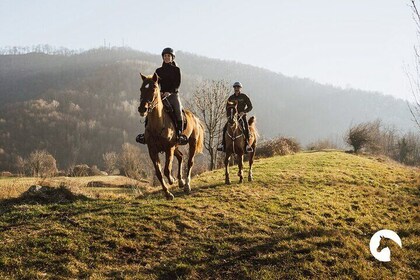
<point x="414" y="78"/>
<point x="110" y="160"/>
<point x="42" y="164"/>
<point x="209" y="104"/>
<point x="132" y="162"/>
<point x="20" y="164"/>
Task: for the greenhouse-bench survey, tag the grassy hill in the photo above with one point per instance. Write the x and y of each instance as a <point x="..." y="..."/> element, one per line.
<point x="309" y="215"/>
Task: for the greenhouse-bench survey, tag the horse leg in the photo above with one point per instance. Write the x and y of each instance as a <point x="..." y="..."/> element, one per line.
<point x="191" y="154"/>
<point x="241" y="166"/>
<point x="168" y="165"/>
<point x="156" y="163"/>
<point x="251" y="161"/>
<point x="179" y="157"/>
<point x="227" y="157"/>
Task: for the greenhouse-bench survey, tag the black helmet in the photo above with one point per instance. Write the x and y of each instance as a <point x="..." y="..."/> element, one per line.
<point x="168" y="51"/>
<point x="237" y="84"/>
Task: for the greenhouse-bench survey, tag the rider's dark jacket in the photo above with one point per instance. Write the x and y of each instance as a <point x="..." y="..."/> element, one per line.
<point x="244" y="103"/>
<point x="170" y="77"/>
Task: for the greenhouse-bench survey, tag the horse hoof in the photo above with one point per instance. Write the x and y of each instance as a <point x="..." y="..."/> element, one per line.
<point x="187" y="189"/>
<point x="169" y="196"/>
<point x="181" y="183"/>
<point x="249" y="179"/>
<point x="241" y="180"/>
<point x="227" y="182"/>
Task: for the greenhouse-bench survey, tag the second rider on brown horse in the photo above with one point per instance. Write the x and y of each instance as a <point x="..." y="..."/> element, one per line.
<point x="244" y="106"/>
<point x="169" y="82"/>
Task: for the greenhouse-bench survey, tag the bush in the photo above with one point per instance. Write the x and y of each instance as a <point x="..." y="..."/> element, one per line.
<point x="6" y="174"/>
<point x="81" y="170"/>
<point x="278" y="146"/>
<point x="374" y="138"/>
<point x="322" y="145"/>
<point x="132" y="162"/>
<point x="94" y="171"/>
<point x="364" y="135"/>
<point x="110" y="161"/>
<point x="42" y="164"/>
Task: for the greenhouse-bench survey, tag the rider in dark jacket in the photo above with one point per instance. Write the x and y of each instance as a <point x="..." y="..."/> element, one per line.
<point x="169" y="82"/>
<point x="244" y="106"/>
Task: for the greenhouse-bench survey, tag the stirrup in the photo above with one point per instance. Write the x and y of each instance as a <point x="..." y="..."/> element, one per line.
<point x="141" y="139"/>
<point x="249" y="149"/>
<point x="182" y="139"/>
<point x="221" y="148"/>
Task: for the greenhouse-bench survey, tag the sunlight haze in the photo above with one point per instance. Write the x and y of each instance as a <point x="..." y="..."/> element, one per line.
<point x="358" y="44"/>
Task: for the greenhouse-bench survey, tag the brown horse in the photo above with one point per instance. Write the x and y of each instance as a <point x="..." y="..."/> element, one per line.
<point x="235" y="141"/>
<point x="160" y="135"/>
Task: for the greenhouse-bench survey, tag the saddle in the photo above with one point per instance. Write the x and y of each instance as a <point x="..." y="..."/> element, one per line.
<point x="167" y="106"/>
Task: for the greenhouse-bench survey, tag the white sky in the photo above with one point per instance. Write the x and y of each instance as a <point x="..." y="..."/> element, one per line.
<point x="349" y="43"/>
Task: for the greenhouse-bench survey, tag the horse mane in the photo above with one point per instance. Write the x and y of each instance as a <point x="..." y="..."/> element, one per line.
<point x="251" y="123"/>
<point x="252" y="120"/>
<point x="200" y="138"/>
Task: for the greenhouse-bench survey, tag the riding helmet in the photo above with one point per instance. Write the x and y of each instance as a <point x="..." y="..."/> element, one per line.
<point x="168" y="51"/>
<point x="237" y="84"/>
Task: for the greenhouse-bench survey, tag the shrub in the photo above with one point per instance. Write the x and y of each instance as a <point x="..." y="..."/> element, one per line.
<point x="81" y="170"/>
<point x="364" y="135"/>
<point x="322" y="145"/>
<point x="110" y="161"/>
<point x="278" y="146"/>
<point x="42" y="164"/>
<point x="132" y="162"/>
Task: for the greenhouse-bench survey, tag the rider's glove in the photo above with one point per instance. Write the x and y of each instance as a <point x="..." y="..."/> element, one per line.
<point x="165" y="94"/>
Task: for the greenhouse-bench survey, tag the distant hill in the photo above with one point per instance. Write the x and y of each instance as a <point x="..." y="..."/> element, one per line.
<point x="306" y="216"/>
<point x="96" y="98"/>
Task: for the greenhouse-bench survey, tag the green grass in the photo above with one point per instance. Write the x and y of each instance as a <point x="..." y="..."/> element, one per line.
<point x="306" y="216"/>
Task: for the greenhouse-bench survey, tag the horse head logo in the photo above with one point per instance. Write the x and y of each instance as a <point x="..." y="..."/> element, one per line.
<point x="384" y="255"/>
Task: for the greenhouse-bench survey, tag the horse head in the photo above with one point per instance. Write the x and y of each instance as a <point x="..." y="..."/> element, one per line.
<point x="149" y="92"/>
<point x="232" y="111"/>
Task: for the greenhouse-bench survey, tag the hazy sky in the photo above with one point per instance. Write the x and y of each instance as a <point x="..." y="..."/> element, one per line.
<point x="349" y="43"/>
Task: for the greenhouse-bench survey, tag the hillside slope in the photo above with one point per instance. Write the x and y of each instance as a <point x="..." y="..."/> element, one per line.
<point x="309" y="215"/>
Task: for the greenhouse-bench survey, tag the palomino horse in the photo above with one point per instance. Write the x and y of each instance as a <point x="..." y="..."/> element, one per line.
<point x="235" y="141"/>
<point x="160" y="135"/>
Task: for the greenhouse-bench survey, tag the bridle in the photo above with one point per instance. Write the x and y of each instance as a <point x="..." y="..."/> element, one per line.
<point x="234" y="117"/>
<point x="151" y="104"/>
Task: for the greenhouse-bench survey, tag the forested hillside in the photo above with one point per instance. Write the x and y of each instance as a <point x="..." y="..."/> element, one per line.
<point x="82" y="105"/>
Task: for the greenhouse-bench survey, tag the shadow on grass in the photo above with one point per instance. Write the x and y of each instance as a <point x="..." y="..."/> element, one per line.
<point x="249" y="255"/>
<point x="44" y="195"/>
<point x="179" y="192"/>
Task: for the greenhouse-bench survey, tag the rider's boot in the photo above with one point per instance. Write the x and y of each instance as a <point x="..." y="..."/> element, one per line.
<point x="222" y="146"/>
<point x="248" y="148"/>
<point x="141" y="139"/>
<point x="182" y="138"/>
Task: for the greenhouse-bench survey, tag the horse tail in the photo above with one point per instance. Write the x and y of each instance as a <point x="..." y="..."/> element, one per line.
<point x="200" y="137"/>
<point x="252" y="120"/>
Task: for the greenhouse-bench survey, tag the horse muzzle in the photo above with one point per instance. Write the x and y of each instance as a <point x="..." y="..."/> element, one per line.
<point x="142" y="111"/>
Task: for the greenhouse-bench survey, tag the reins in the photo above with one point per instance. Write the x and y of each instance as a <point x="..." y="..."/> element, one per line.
<point x="233" y="138"/>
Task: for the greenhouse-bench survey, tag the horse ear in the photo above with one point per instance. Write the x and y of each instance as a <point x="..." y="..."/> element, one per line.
<point x="143" y="77"/>
<point x="155" y="77"/>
